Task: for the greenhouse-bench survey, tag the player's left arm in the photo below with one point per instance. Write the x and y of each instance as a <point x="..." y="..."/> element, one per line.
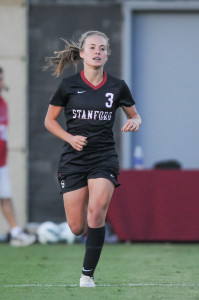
<point x="134" y="120"/>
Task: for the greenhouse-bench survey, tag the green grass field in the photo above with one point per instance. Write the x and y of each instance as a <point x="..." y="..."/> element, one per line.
<point x="125" y="271"/>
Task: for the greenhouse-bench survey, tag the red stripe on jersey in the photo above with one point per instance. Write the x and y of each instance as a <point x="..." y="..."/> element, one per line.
<point x="90" y="84"/>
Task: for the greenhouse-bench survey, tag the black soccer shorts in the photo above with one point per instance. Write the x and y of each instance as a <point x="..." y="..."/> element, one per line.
<point x="75" y="181"/>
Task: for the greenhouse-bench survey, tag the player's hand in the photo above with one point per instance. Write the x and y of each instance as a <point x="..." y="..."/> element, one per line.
<point x="78" y="142"/>
<point x="131" y="125"/>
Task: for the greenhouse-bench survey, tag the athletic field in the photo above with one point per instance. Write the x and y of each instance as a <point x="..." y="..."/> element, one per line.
<point x="125" y="271"/>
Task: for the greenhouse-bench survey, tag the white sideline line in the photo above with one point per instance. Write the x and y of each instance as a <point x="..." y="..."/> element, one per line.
<point x="104" y="285"/>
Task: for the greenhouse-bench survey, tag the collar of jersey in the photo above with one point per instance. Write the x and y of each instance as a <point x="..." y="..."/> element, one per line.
<point x="90" y="84"/>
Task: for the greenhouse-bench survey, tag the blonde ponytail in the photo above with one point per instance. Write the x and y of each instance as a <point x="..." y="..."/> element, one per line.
<point x="63" y="59"/>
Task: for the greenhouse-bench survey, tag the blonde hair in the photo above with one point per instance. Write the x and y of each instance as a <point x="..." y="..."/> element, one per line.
<point x="71" y="54"/>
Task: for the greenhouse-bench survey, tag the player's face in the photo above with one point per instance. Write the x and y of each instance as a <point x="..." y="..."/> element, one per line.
<point x="94" y="51"/>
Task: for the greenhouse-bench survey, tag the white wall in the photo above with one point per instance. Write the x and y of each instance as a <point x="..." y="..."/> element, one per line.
<point x="13" y="59"/>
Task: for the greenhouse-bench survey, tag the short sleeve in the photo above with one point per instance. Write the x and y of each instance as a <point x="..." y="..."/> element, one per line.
<point x="59" y="96"/>
<point x="125" y="97"/>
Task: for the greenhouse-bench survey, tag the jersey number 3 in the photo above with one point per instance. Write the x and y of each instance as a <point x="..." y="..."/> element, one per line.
<point x="109" y="103"/>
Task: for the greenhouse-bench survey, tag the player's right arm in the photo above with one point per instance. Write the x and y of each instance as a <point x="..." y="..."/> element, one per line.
<point x="51" y="124"/>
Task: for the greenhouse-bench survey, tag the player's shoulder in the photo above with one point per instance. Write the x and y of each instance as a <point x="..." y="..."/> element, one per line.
<point x="115" y="80"/>
<point x="71" y="79"/>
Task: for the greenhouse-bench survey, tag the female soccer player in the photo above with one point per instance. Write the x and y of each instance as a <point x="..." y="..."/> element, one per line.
<point x="88" y="166"/>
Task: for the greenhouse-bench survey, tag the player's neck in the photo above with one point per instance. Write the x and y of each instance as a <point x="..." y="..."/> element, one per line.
<point x="94" y="76"/>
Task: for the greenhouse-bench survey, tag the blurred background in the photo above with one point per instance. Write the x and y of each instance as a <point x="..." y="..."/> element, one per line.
<point x="155" y="49"/>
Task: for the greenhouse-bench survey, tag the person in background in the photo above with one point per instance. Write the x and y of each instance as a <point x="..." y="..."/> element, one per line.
<point x="17" y="236"/>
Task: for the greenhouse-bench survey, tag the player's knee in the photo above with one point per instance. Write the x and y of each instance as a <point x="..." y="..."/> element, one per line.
<point x="96" y="216"/>
<point x="77" y="229"/>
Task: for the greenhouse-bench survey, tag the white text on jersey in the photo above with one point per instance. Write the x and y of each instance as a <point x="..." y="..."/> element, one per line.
<point x="91" y="114"/>
<point x="110" y="100"/>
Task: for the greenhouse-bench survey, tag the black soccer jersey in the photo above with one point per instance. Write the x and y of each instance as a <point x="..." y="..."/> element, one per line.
<point x="90" y="112"/>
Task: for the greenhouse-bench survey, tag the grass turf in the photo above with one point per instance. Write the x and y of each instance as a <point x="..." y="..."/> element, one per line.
<point x="125" y="271"/>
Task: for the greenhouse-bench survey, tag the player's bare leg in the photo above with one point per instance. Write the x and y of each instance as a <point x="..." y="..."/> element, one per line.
<point x="75" y="204"/>
<point x="100" y="193"/>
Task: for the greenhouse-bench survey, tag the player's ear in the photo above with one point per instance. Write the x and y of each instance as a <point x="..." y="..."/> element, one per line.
<point x="81" y="54"/>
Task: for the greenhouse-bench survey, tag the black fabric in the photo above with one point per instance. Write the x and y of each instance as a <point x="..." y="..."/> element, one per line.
<point x="90" y="112"/>
<point x="94" y="245"/>
<point x="71" y="182"/>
